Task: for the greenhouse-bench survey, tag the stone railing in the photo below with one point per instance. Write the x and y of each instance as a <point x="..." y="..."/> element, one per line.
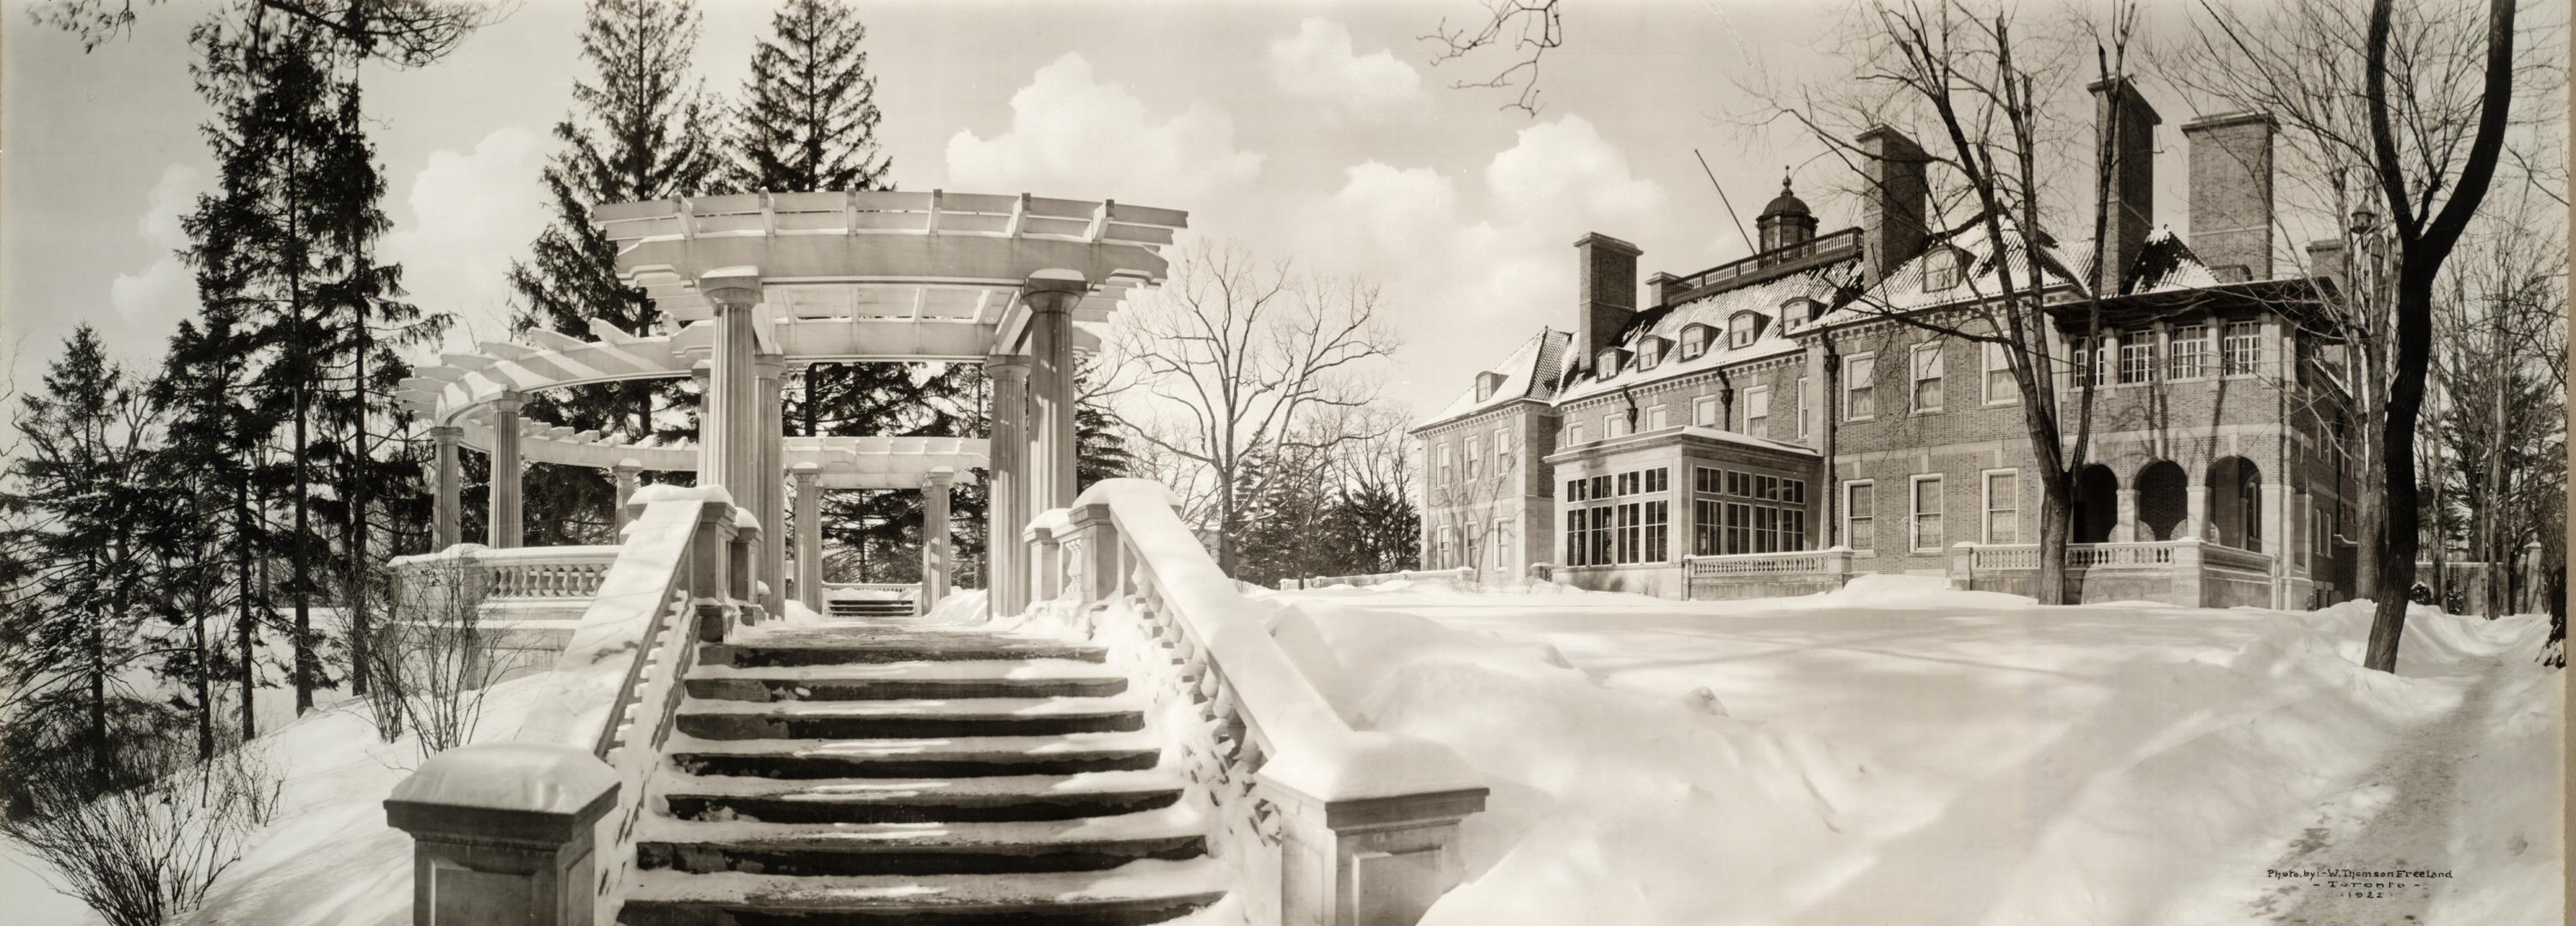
<point x="1320" y="823"/>
<point x="485" y="575"/>
<point x="540" y="829"/>
<point x="2186" y="572"/>
<point x="1766" y="575"/>
<point x="1463" y="577"/>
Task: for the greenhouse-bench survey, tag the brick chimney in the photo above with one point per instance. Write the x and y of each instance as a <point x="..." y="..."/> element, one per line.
<point x="2123" y="118"/>
<point x="1665" y="286"/>
<point x="1894" y="195"/>
<point x="1606" y="287"/>
<point x="2231" y="194"/>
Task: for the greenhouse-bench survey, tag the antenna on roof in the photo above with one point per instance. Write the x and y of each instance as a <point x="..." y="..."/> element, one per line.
<point x="1721" y="197"/>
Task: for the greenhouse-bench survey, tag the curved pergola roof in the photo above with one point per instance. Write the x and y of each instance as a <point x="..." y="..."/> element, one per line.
<point x="857" y="276"/>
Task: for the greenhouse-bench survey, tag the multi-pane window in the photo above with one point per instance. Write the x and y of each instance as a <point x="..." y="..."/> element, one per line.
<point x="1448" y="544"/>
<point x="1757" y="410"/>
<point x="1741" y="329"/>
<point x="1470" y="450"/>
<point x="2000" y="387"/>
<point x="1860" y="511"/>
<point x="1739" y="512"/>
<point x="1616" y="518"/>
<point x="1927" y="513"/>
<point x="1704" y="411"/>
<point x="2241" y="350"/>
<point x="1656" y="419"/>
<point x="1927" y="378"/>
<point x="1502" y="445"/>
<point x="2189" y="357"/>
<point x="2003" y="507"/>
<point x="1448" y="469"/>
<point x="1573" y="434"/>
<point x="2137" y="358"/>
<point x="1614" y="424"/>
<point x="1860" y="375"/>
<point x="2098" y="361"/>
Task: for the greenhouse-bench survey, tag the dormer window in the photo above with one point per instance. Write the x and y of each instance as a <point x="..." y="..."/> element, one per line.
<point x="1606" y="363"/>
<point x="1650" y="351"/>
<point x="1695" y="338"/>
<point x="1743" y="328"/>
<point x="1940" y="269"/>
<point x="1487" y="383"/>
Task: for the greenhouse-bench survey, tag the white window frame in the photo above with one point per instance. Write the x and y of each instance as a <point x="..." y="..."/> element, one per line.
<point x="1997" y="361"/>
<point x="2254" y="340"/>
<point x="1467" y="448"/>
<point x="1950" y="267"/>
<point x="2203" y="353"/>
<point x="1613" y="425"/>
<point x="1869" y="382"/>
<point x="1914" y="512"/>
<point x="1851" y="538"/>
<point x="1705" y="411"/>
<point x="1502" y="444"/>
<point x="1448" y="466"/>
<point x="1657" y="418"/>
<point x="1986" y="505"/>
<point x="1742" y="328"/>
<point x="1448" y="541"/>
<point x="1914" y="378"/>
<point x="1802" y="406"/>
<point x="1497" y="535"/>
<point x="2138" y="358"/>
<point x="1757" y="399"/>
<point x="1574" y="434"/>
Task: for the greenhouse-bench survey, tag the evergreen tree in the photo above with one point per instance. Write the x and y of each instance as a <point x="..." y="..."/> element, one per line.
<point x="639" y="131"/>
<point x="809" y="118"/>
<point x="76" y="493"/>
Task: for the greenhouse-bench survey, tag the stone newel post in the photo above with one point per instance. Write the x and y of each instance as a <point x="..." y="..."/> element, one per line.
<point x="626" y="471"/>
<point x="519" y="854"/>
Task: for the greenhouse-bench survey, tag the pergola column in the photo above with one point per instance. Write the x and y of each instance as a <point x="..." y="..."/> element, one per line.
<point x="809" y="537"/>
<point x="445" y="512"/>
<point x="1006" y="511"/>
<point x="770" y="372"/>
<point x="733" y="436"/>
<point x="935" y="555"/>
<point x="504" y="522"/>
<point x="626" y="471"/>
<point x="1051" y="299"/>
<point x="703" y="375"/>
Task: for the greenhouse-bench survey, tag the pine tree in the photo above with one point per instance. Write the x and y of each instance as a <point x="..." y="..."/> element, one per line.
<point x="809" y="118"/>
<point x="76" y="493"/>
<point x="639" y="131"/>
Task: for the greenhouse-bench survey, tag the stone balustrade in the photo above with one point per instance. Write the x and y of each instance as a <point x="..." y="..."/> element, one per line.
<point x="2186" y="572"/>
<point x="1323" y="825"/>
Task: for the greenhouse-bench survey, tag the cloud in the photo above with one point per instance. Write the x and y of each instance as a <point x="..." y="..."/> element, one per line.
<point x="1072" y="135"/>
<point x="1319" y="62"/>
<point x="1471" y="267"/>
<point x="150" y="302"/>
<point x="472" y="213"/>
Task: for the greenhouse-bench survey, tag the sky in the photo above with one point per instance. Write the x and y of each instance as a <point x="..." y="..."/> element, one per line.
<point x="1316" y="132"/>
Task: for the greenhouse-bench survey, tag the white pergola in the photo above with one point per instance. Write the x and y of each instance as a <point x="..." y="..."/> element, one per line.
<point x="750" y="285"/>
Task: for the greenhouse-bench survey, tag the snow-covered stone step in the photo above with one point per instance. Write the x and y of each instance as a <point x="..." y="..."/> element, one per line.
<point x="918" y="800"/>
<point x="1130" y="895"/>
<point x="1088" y="844"/>
<point x="913" y="717"/>
<point x="981" y="678"/>
<point x="829" y="644"/>
<point x="972" y="756"/>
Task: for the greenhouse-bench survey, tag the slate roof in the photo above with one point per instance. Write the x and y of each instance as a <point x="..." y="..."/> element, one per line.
<point x="2165" y="264"/>
<point x="1828" y="284"/>
<point x="1529" y="372"/>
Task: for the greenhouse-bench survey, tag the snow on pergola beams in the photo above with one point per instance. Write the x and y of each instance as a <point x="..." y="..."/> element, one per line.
<point x="845" y="462"/>
<point x="911" y="244"/>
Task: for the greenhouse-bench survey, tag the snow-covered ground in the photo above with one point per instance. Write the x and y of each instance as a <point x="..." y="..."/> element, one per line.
<point x="1891" y="753"/>
<point x="1900" y="753"/>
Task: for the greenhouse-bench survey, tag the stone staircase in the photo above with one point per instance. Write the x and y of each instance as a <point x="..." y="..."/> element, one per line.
<point x="890" y="772"/>
<point x="871" y="608"/>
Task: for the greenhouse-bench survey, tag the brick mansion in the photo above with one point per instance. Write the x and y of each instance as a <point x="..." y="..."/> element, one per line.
<point x="1777" y="424"/>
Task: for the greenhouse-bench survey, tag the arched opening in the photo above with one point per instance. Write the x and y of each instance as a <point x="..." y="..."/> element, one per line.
<point x="2097" y="504"/>
<point x="2164" y="500"/>
<point x="2236" y="503"/>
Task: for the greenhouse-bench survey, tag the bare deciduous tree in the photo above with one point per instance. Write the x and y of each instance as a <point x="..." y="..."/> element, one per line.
<point x="435" y="658"/>
<point x="1974" y="84"/>
<point x="1241" y="352"/>
<point x="1526" y="29"/>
